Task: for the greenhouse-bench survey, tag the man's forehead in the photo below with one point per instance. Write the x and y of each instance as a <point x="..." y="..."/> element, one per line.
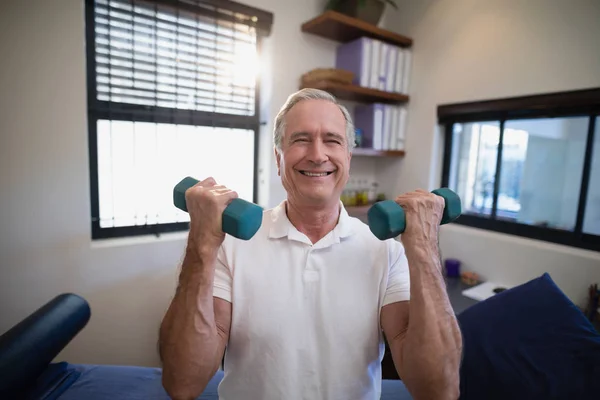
<point x="305" y="133"/>
<point x="316" y="120"/>
<point x="321" y="109"/>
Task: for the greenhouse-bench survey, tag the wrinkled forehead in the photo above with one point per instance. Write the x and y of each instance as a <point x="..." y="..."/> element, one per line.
<point x="316" y="118"/>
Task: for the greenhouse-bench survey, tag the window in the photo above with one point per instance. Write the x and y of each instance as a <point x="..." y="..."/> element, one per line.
<point x="591" y="221"/>
<point x="527" y="166"/>
<point x="172" y="92"/>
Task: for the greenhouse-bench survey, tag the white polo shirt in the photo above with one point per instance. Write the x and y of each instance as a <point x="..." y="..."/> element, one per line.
<point x="306" y="317"/>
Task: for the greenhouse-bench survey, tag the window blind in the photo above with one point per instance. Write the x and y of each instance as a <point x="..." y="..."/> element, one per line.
<point x="172" y="92"/>
<point x="158" y="55"/>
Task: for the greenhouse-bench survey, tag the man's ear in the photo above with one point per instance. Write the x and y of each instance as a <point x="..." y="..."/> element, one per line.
<point x="277" y="161"/>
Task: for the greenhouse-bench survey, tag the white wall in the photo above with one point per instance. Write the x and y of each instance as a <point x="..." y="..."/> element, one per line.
<point x="466" y="50"/>
<point x="45" y="203"/>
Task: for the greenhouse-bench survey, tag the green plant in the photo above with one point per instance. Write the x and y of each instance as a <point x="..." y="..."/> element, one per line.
<point x="333" y="4"/>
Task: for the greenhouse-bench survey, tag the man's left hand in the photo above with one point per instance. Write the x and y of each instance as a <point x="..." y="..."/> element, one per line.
<point x="423" y="211"/>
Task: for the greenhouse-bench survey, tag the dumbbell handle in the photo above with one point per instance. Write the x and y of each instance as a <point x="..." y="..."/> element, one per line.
<point x="241" y="218"/>
<point x="387" y="219"/>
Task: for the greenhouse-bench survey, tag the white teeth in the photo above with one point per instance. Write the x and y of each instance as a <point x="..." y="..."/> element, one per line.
<point x="314" y="174"/>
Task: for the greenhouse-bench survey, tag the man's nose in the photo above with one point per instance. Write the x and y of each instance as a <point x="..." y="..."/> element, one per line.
<point x="318" y="152"/>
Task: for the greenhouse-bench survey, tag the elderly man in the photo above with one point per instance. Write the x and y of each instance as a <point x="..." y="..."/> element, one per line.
<point x="302" y="307"/>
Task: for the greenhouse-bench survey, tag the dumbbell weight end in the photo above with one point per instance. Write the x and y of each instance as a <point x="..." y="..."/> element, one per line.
<point x="452" y="205"/>
<point x="387" y="219"/>
<point x="241" y="219"/>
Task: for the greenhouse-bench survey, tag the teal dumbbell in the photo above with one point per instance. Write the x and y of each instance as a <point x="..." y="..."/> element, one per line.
<point x="241" y="219"/>
<point x="387" y="220"/>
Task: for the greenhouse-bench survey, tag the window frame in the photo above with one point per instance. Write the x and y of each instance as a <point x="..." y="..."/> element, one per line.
<point x="577" y="103"/>
<point x="99" y="109"/>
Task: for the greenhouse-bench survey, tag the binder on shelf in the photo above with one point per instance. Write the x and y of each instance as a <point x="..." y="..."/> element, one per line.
<point x="383" y="65"/>
<point x="375" y="64"/>
<point x="398" y="78"/>
<point x="393" y="142"/>
<point x="402" y="122"/>
<point x="387" y="127"/>
<point x="356" y="57"/>
<point x="369" y="119"/>
<point x="375" y="61"/>
<point x="383" y="126"/>
<point x="392" y="61"/>
<point x="406" y="70"/>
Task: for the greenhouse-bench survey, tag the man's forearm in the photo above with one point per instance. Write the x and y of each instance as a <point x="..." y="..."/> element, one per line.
<point x="189" y="341"/>
<point x="433" y="344"/>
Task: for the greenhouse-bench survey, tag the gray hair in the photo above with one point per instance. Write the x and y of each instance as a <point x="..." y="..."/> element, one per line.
<point x="310" y="94"/>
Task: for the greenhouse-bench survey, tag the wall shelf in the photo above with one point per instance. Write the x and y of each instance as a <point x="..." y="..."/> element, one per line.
<point x="342" y="28"/>
<point x="361" y="151"/>
<point x="356" y="93"/>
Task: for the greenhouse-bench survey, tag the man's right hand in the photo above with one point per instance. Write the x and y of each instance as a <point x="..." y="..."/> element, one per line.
<point x="206" y="202"/>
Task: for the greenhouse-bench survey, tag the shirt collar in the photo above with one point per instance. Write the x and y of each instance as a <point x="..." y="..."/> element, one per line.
<point x="281" y="226"/>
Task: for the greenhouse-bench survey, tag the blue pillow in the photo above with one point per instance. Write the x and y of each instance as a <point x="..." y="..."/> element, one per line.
<point x="530" y="342"/>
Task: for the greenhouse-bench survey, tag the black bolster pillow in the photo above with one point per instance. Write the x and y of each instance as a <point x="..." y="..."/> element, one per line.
<point x="31" y="345"/>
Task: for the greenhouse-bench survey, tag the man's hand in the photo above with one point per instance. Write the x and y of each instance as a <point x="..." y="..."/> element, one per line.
<point x="423" y="211"/>
<point x="206" y="202"/>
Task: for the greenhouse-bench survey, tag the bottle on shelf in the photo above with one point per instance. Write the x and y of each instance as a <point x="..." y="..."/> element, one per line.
<point x="364" y="193"/>
<point x="373" y="192"/>
<point x="344" y="197"/>
<point x="351" y="193"/>
<point x="357" y="195"/>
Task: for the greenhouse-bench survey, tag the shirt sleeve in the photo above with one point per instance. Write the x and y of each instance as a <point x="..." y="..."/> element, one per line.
<point x="398" y="282"/>
<point x="222" y="286"/>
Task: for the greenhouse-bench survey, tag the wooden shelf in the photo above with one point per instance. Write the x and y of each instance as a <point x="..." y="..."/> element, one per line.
<point x="342" y="28"/>
<point x="360" y="151"/>
<point x="356" y="93"/>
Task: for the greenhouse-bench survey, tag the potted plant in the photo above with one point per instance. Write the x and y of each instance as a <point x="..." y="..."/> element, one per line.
<point x="366" y="10"/>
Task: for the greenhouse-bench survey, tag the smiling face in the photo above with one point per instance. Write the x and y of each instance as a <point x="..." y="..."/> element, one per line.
<point x="314" y="162"/>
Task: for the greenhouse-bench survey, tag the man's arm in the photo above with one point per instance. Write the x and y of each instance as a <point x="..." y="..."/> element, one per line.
<point x="423" y="333"/>
<point x="195" y="329"/>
